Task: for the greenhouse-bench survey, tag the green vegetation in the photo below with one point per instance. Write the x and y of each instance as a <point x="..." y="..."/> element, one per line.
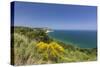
<point x="34" y="46"/>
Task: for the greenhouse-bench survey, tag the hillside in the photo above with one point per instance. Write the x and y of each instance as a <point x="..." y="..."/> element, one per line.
<point x="34" y="46"/>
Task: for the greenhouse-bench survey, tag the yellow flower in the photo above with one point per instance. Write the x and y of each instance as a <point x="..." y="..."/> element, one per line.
<point x="50" y="51"/>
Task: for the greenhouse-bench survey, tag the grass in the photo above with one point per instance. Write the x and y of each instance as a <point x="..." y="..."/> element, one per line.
<point x="34" y="46"/>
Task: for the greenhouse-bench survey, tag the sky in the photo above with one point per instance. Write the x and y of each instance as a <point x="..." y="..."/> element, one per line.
<point x="55" y="16"/>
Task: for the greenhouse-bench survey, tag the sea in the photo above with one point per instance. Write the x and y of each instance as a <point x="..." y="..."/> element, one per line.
<point x="78" y="38"/>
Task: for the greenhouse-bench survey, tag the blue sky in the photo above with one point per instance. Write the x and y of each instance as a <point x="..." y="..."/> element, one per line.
<point x="54" y="16"/>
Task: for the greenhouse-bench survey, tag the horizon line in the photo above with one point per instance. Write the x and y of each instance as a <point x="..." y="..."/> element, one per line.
<point x="58" y="29"/>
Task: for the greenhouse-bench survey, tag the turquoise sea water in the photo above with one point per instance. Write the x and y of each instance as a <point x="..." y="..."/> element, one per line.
<point x="83" y="39"/>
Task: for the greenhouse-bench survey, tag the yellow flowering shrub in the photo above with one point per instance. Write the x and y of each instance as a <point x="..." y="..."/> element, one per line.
<point x="49" y="51"/>
<point x="57" y="46"/>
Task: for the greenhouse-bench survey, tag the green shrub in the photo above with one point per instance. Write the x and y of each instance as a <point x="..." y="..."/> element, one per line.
<point x="34" y="46"/>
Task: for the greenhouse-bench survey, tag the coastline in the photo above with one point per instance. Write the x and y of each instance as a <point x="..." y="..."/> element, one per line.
<point x="78" y="38"/>
<point x="37" y="44"/>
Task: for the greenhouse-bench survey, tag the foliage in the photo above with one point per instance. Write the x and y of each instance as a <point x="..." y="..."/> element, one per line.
<point x="50" y="52"/>
<point x="34" y="46"/>
<point x="37" y="34"/>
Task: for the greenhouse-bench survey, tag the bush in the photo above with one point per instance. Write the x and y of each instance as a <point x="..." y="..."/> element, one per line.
<point x="34" y="46"/>
<point x="49" y="52"/>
